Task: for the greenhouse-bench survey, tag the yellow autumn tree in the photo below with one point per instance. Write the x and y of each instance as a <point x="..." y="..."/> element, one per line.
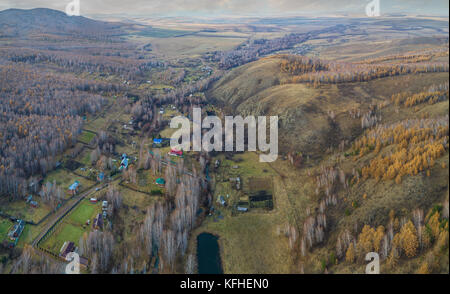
<point x="379" y="234"/>
<point x="434" y="224"/>
<point x="350" y="254"/>
<point x="365" y="240"/>
<point x="409" y="240"/>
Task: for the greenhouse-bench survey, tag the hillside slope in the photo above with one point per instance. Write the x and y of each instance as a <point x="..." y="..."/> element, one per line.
<point x="341" y="189"/>
<point x="319" y="117"/>
<point x="22" y="23"/>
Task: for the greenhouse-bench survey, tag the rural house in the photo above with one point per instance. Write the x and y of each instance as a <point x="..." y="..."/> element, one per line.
<point x="73" y="189"/>
<point x="15" y="232"/>
<point x="124" y="162"/>
<point x="98" y="222"/>
<point x="174" y="152"/>
<point x="67" y="247"/>
<point x="160" y="182"/>
<point x="101" y="176"/>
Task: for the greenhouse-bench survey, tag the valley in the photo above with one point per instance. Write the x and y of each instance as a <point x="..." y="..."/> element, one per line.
<point x="86" y="164"/>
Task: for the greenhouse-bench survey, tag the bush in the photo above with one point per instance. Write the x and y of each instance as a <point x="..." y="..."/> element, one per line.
<point x="156" y="192"/>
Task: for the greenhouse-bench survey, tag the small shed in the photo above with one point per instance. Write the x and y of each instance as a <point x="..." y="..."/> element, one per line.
<point x="221" y="200"/>
<point x="174" y="152"/>
<point x="160" y="181"/>
<point x="67" y="248"/>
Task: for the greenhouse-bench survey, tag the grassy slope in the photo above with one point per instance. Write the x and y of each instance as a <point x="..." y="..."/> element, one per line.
<point x="5" y="225"/>
<point x="73" y="226"/>
<point x="253" y="90"/>
<point x="250" y="242"/>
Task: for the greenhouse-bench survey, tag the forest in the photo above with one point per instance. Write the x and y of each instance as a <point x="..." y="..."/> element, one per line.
<point x="317" y="72"/>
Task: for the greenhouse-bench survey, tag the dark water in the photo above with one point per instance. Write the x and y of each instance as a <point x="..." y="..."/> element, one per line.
<point x="208" y="254"/>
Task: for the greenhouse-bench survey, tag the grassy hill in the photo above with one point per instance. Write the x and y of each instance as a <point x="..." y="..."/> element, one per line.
<point x="40" y="21"/>
<point x="315" y="121"/>
<point x="257" y="89"/>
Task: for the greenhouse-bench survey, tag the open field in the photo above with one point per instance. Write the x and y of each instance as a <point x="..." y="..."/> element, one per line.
<point x="162" y="33"/>
<point x="251" y="242"/>
<point x="145" y="183"/>
<point x="188" y="46"/>
<point x="133" y="212"/>
<point x="85" y="157"/>
<point x="30" y="232"/>
<point x="64" y="179"/>
<point x="135" y="199"/>
<point x="5" y="225"/>
<point x="360" y="49"/>
<point x="22" y="210"/>
<point x="73" y="226"/>
<point x="86" y="137"/>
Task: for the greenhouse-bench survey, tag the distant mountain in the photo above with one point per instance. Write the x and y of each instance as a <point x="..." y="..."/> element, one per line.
<point x="24" y="23"/>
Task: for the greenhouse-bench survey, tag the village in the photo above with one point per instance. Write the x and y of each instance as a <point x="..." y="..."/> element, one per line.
<point x="78" y="187"/>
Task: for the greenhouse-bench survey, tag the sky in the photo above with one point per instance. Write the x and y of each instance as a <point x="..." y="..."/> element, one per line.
<point x="215" y="8"/>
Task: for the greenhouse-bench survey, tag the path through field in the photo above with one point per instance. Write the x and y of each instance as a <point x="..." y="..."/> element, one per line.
<point x="62" y="212"/>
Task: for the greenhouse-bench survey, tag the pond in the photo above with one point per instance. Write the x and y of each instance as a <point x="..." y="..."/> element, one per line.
<point x="208" y="254"/>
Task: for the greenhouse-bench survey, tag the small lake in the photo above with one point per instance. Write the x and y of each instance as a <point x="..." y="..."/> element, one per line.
<point x="208" y="254"/>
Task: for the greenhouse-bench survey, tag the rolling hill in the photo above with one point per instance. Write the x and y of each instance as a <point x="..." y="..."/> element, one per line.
<point x="319" y="117"/>
<point x="332" y="183"/>
<point x="26" y="23"/>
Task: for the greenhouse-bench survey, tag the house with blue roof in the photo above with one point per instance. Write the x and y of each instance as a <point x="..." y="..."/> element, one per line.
<point x="124" y="163"/>
<point x="15" y="233"/>
<point x="73" y="189"/>
<point x="101" y="176"/>
<point x="221" y="200"/>
<point x="160" y="181"/>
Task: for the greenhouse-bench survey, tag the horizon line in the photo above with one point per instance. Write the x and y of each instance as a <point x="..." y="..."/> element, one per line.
<point x="246" y="15"/>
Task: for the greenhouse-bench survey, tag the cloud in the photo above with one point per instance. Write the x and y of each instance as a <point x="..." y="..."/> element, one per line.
<point x="237" y="7"/>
